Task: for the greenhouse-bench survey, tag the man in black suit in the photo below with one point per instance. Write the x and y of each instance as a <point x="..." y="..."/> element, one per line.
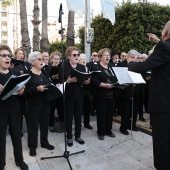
<point x="94" y="61"/>
<point x="159" y="96"/>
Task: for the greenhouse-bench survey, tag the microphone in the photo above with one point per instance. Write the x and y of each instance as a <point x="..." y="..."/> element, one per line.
<point x="60" y="13"/>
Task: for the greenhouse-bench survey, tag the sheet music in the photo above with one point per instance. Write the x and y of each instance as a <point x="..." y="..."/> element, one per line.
<point x="16" y="88"/>
<point x="60" y="87"/>
<point x="127" y="77"/>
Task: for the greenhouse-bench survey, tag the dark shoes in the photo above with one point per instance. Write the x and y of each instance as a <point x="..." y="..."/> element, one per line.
<point x="101" y="137"/>
<point x="88" y="126"/>
<point x="48" y="146"/>
<point x="125" y="132"/>
<point x="70" y="142"/>
<point x="111" y="135"/>
<point x="32" y="152"/>
<point x="135" y="129"/>
<point x="142" y="119"/>
<point x="80" y="141"/>
<point x="23" y="165"/>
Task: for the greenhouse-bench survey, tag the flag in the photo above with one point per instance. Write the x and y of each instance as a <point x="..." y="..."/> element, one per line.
<point x="77" y="6"/>
<point x="108" y="10"/>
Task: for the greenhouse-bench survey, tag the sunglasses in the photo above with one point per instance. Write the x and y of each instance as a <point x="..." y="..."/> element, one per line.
<point x="6" y="55"/>
<point x="74" y="55"/>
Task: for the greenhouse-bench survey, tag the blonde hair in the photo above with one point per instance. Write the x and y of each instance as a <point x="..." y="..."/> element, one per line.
<point x="16" y="51"/>
<point x="100" y="53"/>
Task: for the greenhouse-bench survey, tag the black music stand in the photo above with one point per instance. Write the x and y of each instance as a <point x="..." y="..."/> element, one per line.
<point x="66" y="152"/>
<point x="130" y="78"/>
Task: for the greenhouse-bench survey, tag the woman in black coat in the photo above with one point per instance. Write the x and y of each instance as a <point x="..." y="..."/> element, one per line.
<point x="10" y="113"/>
<point x="73" y="94"/>
<point x="38" y="108"/>
<point x="104" y="94"/>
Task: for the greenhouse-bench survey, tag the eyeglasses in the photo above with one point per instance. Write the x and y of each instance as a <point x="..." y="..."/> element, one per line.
<point x="132" y="56"/>
<point x="123" y="55"/>
<point x="6" y="55"/>
<point x="95" y="55"/>
<point x="139" y="58"/>
<point x="56" y="58"/>
<point x="74" y="55"/>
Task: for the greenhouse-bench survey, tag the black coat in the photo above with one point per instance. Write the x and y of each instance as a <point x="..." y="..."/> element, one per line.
<point x="159" y="64"/>
<point x="71" y="89"/>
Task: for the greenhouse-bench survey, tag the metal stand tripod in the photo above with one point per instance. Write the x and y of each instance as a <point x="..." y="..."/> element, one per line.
<point x="66" y="152"/>
<point x="131" y="136"/>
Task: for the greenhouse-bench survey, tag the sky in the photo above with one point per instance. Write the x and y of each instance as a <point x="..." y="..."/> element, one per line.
<point x="95" y="5"/>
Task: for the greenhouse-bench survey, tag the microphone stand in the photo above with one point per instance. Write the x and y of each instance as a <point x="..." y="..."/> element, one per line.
<point x="66" y="152"/>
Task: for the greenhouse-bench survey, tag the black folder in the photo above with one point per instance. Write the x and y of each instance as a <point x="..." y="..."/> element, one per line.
<point x="52" y="93"/>
<point x="13" y="84"/>
<point x="82" y="76"/>
<point x="16" y="62"/>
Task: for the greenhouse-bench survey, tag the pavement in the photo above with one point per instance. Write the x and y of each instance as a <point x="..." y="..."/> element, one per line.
<point x="132" y="152"/>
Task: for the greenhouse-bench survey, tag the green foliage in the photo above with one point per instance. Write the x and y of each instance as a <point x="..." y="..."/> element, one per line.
<point x="133" y="21"/>
<point x="7" y="2"/>
<point x="57" y="46"/>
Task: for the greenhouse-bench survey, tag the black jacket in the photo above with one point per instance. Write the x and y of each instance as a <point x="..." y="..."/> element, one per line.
<point x="159" y="64"/>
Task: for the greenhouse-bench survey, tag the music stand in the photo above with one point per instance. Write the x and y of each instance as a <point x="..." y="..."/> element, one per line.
<point x="66" y="152"/>
<point x="130" y="78"/>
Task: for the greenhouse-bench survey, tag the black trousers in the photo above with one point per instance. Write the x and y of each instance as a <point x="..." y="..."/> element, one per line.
<point x="37" y="115"/>
<point x="126" y="112"/>
<point x="14" y="122"/>
<point x="73" y="108"/>
<point x="161" y="140"/>
<point x="104" y="112"/>
<point x="57" y="103"/>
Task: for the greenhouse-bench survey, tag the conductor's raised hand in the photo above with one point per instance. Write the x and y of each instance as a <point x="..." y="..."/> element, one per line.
<point x="42" y="88"/>
<point x="21" y="90"/>
<point x="71" y="80"/>
<point x="153" y="37"/>
<point x="1" y="88"/>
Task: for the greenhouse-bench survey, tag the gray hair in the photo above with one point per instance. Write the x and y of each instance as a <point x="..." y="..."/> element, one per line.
<point x="32" y="56"/>
<point x="82" y="56"/>
<point x="132" y="53"/>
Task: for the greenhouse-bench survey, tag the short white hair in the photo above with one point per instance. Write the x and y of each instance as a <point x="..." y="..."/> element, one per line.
<point x="32" y="56"/>
<point x="132" y="52"/>
<point x="82" y="56"/>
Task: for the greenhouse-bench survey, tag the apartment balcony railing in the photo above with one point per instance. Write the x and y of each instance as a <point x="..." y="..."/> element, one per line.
<point x="4" y="37"/>
<point x="4" y="28"/>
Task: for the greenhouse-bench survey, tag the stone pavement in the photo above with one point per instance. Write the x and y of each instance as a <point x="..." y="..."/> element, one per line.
<point x="133" y="152"/>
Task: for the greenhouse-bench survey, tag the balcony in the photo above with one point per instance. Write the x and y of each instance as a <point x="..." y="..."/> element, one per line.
<point x="4" y="28"/>
<point x="3" y="9"/>
<point x="4" y="37"/>
<point x="4" y="19"/>
<point x="4" y="42"/>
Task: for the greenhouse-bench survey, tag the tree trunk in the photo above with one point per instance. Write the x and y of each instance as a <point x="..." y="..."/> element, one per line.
<point x="44" y="43"/>
<point x="24" y="27"/>
<point x="36" y="22"/>
<point x="70" y="29"/>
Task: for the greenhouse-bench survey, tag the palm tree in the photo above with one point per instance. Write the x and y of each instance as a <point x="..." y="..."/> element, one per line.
<point x="7" y="2"/>
<point x="44" y="43"/>
<point x="24" y="27"/>
<point x="36" y="22"/>
<point x="70" y="29"/>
